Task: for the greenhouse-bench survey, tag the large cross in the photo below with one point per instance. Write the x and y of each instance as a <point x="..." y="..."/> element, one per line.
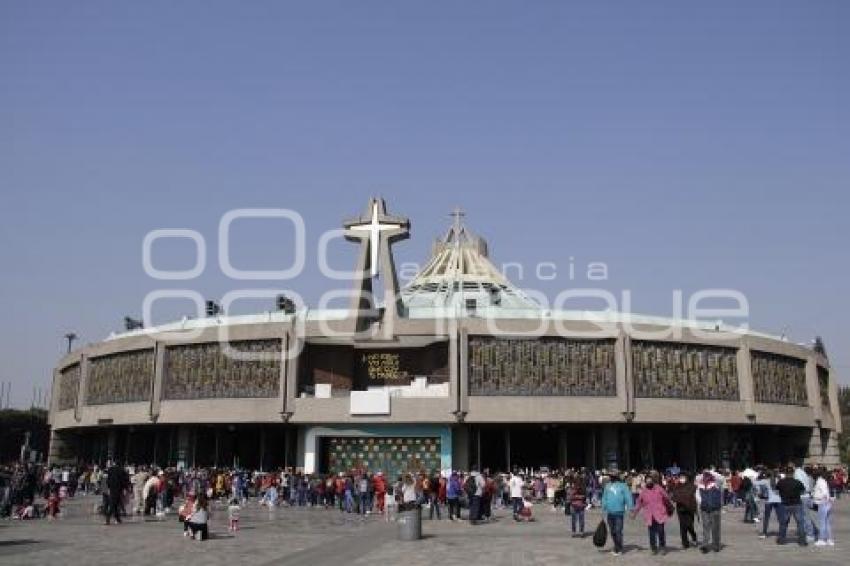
<point x="374" y="227"/>
<point x="376" y="231"/>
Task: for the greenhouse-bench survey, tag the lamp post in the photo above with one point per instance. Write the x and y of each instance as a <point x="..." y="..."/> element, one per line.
<point x="70" y="337"/>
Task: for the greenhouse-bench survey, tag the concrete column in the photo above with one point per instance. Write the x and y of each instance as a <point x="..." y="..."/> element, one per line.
<point x="158" y="377"/>
<point x="624" y="394"/>
<point x="831" y="456"/>
<point x="745" y="379"/>
<point x="454" y="370"/>
<point x="297" y="343"/>
<point x="81" y="391"/>
<point x="813" y="389"/>
<point x="628" y="364"/>
<point x="60" y="450"/>
<point x="815" y="449"/>
<point x="284" y="363"/>
<point x="833" y="402"/>
<point x="823" y="448"/>
<point x="54" y="397"/>
<point x="464" y="370"/>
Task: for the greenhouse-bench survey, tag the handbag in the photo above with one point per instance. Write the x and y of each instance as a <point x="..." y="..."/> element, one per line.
<point x="669" y="507"/>
<point x="600" y="535"/>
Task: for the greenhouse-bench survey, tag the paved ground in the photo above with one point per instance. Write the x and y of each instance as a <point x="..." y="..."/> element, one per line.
<point x="317" y="537"/>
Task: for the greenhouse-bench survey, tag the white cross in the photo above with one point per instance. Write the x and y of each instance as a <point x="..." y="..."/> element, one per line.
<point x="374" y="227"/>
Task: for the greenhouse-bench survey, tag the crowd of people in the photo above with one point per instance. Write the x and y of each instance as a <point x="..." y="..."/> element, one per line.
<point x="805" y="494"/>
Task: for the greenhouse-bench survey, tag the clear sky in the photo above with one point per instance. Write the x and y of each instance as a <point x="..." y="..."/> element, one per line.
<point x="685" y="144"/>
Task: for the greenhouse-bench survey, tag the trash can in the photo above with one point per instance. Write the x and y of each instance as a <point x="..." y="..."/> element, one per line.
<point x="410" y="524"/>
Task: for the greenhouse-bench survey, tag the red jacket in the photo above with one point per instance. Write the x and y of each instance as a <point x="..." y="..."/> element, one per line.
<point x="651" y="504"/>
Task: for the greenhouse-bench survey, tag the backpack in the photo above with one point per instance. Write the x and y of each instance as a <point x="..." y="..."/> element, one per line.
<point x="763" y="491"/>
<point x="469" y="486"/>
<point x="710" y="500"/>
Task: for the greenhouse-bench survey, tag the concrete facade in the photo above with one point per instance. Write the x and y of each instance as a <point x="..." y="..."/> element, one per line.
<point x="459" y="408"/>
<point x="618" y="428"/>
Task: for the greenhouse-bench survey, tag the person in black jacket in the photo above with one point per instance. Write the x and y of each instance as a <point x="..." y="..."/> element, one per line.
<point x="117" y="482"/>
<point x="683" y="493"/>
<point x="790" y="491"/>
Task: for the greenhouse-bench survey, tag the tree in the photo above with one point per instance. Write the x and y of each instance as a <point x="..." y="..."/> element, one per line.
<point x="14" y="424"/>
<point x="844" y="401"/>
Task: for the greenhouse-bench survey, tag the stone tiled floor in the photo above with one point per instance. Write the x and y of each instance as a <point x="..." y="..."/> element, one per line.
<point x="318" y="537"/>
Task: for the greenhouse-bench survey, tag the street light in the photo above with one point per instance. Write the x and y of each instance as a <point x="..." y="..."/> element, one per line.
<point x="70" y="337"/>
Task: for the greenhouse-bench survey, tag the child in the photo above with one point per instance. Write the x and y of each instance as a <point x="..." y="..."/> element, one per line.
<point x="233" y="511"/>
<point x="53" y="505"/>
<point x="524" y="515"/>
<point x="184" y="512"/>
<point x="26" y="511"/>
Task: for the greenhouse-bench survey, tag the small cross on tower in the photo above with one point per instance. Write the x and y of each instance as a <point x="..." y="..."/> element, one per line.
<point x="457" y="214"/>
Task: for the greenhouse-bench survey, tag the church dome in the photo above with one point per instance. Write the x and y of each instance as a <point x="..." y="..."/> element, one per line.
<point x="461" y="275"/>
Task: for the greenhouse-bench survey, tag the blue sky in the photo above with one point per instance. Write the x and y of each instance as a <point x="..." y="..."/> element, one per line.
<point x="687" y="145"/>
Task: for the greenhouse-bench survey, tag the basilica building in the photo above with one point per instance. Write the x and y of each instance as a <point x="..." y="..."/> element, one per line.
<point x="458" y="368"/>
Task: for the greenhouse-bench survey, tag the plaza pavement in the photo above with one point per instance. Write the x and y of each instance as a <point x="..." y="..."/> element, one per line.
<point x="318" y="537"/>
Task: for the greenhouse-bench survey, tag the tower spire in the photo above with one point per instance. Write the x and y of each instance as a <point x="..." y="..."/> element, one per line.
<point x="457" y="214"/>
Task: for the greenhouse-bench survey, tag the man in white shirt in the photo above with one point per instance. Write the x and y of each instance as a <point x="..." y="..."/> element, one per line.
<point x="806" y="500"/>
<point x="149" y="493"/>
<point x="516" y="484"/>
<point x="139" y="479"/>
<point x="475" y="496"/>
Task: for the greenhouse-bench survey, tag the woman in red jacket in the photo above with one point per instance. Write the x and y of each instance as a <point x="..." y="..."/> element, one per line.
<point x="655" y="505"/>
<point x="380" y="485"/>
